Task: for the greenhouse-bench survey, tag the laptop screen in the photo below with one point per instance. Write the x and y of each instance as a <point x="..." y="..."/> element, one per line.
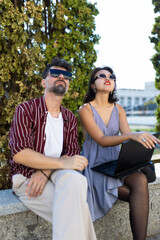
<point x="132" y="154"/>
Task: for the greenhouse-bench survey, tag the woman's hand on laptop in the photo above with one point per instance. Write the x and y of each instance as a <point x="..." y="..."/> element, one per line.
<point x="146" y="139"/>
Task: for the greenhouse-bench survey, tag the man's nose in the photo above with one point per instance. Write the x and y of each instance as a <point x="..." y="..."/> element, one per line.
<point x="61" y="76"/>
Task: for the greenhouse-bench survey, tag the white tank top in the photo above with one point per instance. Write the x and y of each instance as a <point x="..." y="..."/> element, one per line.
<point x="54" y="136"/>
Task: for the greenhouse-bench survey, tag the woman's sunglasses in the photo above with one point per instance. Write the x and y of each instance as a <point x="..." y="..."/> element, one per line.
<point x="111" y="77"/>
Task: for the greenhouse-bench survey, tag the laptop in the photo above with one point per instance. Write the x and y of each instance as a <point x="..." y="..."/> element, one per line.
<point x="132" y="157"/>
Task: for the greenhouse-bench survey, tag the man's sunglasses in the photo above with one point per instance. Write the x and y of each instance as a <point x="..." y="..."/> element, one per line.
<point x="56" y="73"/>
<point x="111" y="77"/>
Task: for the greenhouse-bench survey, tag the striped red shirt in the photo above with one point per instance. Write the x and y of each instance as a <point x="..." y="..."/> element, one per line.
<point x="28" y="131"/>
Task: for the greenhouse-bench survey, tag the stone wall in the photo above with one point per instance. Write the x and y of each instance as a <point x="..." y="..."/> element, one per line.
<point x="19" y="223"/>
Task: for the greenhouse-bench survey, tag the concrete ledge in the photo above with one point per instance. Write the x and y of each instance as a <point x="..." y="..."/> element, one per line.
<point x="19" y="223"/>
<point x="10" y="204"/>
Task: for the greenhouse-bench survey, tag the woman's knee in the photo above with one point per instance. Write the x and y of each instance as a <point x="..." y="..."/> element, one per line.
<point x="140" y="178"/>
<point x="124" y="193"/>
<point x="136" y="179"/>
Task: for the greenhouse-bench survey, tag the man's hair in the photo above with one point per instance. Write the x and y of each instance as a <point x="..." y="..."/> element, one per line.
<point x="57" y="62"/>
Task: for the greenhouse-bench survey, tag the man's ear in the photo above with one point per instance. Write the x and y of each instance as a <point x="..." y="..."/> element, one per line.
<point x="43" y="83"/>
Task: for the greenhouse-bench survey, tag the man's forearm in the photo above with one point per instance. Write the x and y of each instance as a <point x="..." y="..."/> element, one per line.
<point x="49" y="172"/>
<point x="33" y="159"/>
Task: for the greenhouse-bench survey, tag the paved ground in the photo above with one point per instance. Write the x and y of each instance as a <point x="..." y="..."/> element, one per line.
<point x="155" y="237"/>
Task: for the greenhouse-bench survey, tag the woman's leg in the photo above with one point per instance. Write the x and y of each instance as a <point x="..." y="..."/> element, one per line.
<point x="135" y="191"/>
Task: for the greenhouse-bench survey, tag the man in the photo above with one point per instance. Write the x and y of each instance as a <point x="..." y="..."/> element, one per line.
<point x="44" y="157"/>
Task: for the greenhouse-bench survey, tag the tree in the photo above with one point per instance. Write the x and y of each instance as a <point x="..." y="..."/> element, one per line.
<point x="20" y="61"/>
<point x="156" y="58"/>
<point x="69" y="34"/>
<point x="31" y="34"/>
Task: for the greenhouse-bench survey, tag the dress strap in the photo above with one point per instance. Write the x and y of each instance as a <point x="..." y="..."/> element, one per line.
<point x="90" y="105"/>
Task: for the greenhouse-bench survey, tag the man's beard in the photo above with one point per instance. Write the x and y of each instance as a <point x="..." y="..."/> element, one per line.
<point x="58" y="90"/>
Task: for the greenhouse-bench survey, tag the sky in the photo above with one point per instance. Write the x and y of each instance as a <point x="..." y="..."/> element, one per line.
<point x="125" y="27"/>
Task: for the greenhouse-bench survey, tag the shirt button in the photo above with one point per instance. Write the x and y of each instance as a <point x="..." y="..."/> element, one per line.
<point x="44" y="138"/>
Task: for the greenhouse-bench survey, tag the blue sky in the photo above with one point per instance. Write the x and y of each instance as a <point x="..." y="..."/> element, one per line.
<point x="125" y="27"/>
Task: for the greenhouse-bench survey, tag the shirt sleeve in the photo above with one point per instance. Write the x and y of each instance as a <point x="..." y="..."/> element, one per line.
<point x="72" y="146"/>
<point x="20" y="135"/>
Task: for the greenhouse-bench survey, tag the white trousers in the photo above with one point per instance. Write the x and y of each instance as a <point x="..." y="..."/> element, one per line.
<point x="66" y="198"/>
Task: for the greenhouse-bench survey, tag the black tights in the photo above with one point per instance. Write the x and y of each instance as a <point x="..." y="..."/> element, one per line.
<point x="135" y="191"/>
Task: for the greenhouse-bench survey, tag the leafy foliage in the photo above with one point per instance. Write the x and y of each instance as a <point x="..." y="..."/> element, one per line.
<point x="31" y="34"/>
<point x="156" y="58"/>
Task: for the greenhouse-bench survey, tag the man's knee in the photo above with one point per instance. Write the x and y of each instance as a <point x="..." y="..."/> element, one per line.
<point x="71" y="179"/>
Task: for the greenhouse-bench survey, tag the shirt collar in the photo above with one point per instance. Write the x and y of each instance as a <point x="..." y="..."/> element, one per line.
<point x="43" y="105"/>
<point x="45" y="110"/>
<point x="63" y="111"/>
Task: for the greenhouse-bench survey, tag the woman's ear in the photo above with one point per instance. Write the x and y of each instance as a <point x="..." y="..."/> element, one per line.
<point x="93" y="87"/>
<point x="43" y="83"/>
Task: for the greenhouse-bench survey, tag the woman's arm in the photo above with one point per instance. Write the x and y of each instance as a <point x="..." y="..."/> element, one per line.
<point x="88" y="122"/>
<point x="87" y="119"/>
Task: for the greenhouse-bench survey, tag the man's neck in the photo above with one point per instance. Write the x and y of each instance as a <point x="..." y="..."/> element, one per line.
<point x="53" y="103"/>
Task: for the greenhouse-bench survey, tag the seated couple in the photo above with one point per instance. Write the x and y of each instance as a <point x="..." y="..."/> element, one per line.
<point x="43" y="139"/>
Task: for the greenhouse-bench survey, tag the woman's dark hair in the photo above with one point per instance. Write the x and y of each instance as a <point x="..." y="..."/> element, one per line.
<point x="56" y="61"/>
<point x="91" y="94"/>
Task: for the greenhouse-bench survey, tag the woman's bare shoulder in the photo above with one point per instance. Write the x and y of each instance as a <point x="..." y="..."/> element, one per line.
<point x="120" y="108"/>
<point x="84" y="108"/>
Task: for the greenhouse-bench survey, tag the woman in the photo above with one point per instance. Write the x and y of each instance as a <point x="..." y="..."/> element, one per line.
<point x="102" y="120"/>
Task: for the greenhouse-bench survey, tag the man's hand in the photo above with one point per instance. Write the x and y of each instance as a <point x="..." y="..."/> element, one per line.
<point x="36" y="184"/>
<point x="76" y="162"/>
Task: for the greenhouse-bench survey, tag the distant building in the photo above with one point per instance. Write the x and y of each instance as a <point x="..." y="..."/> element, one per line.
<point x="140" y="105"/>
<point x="136" y="99"/>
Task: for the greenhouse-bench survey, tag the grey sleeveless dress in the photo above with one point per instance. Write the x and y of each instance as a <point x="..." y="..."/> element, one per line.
<point x="102" y="189"/>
